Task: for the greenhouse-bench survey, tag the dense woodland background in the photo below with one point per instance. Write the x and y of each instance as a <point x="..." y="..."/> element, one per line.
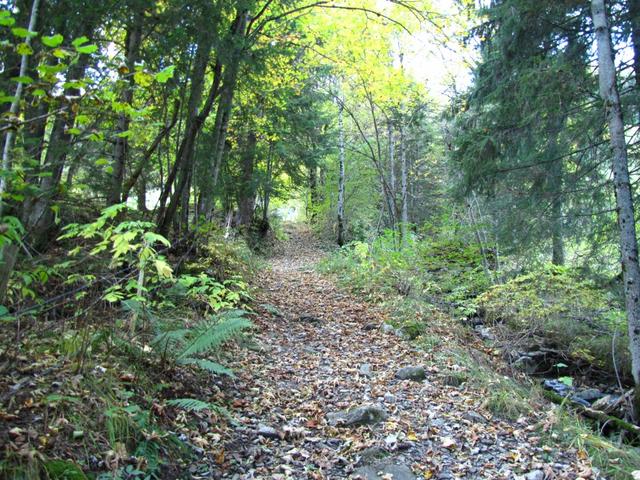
<point x="153" y="151"/>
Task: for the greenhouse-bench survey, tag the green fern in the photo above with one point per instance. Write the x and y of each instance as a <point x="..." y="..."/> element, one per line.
<point x="185" y="346"/>
<point x="207" y="365"/>
<point x="190" y="404"/>
<point x="212" y="334"/>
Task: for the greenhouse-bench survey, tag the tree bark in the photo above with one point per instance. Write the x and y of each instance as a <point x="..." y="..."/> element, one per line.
<point x="246" y="189"/>
<point x="121" y="149"/>
<point x="340" y="177"/>
<point x="223" y="112"/>
<point x="9" y="253"/>
<point x="622" y="187"/>
<point x="184" y="157"/>
<point x="404" y="217"/>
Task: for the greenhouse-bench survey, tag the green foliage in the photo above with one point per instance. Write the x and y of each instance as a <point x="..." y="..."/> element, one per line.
<point x="571" y="313"/>
<point x="127" y="242"/>
<point x="216" y="295"/>
<point x="190" y="404"/>
<point x="63" y="470"/>
<point x="187" y="346"/>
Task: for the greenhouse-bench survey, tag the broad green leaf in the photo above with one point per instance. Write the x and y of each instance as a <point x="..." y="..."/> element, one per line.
<point x="165" y="74"/>
<point x="24" y="79"/>
<point x="142" y="78"/>
<point x="22" y="32"/>
<point x="6" y="20"/>
<point x="52" y="41"/>
<point x="79" y="41"/>
<point x="24" y="49"/>
<point x="87" y="49"/>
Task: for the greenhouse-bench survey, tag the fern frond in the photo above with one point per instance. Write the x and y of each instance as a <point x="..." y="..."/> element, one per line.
<point x="212" y="335"/>
<point x="190" y="404"/>
<point x="169" y="339"/>
<point x="207" y="365"/>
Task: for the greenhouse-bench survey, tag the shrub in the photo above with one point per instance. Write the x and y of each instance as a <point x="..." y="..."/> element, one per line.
<point x="572" y="314"/>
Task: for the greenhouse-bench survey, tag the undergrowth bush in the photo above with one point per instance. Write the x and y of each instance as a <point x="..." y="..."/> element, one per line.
<point x="572" y="314"/>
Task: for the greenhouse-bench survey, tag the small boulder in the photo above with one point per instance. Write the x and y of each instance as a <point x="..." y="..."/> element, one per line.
<point x="385" y="470"/>
<point x="412" y="373"/>
<point x="365" y="415"/>
<point x="366" y="370"/>
<point x="387" y="328"/>
<point x="590" y="394"/>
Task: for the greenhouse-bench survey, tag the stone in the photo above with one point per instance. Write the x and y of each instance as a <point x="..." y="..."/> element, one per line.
<point x="526" y="364"/>
<point x="384" y="470"/>
<point x="590" y="394"/>
<point x="485" y="332"/>
<point x="412" y="373"/>
<point x="268" y="432"/>
<point x="386" y="328"/>
<point x="372" y="455"/>
<point x="534" y="475"/>
<point x="454" y="379"/>
<point x="474" y="417"/>
<point x="365" y="415"/>
<point x="366" y="370"/>
<point x="389" y="397"/>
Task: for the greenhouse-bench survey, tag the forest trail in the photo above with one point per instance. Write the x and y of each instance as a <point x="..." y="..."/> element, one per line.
<point x="321" y="350"/>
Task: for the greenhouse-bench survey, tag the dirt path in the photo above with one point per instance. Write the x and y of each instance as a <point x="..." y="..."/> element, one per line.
<point x="326" y="353"/>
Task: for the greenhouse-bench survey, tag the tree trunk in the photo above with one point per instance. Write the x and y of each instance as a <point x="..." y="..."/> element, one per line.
<point x="224" y="112"/>
<point x="634" y="19"/>
<point x="9" y="253"/>
<point x="623" y="193"/>
<point x="246" y="189"/>
<point x="184" y="156"/>
<point x="404" y="226"/>
<point x="267" y="187"/>
<point x="341" y="177"/>
<point x="556" y="178"/>
<point x="13" y="112"/>
<point x="392" y="163"/>
<point x="132" y="49"/>
<point x="37" y="215"/>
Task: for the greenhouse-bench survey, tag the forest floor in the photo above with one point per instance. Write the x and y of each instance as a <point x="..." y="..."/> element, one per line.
<point x="321" y="351"/>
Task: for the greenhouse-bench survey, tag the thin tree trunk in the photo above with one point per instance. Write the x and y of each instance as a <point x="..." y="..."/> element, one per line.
<point x="267" y="188"/>
<point x="121" y="149"/>
<point x="13" y="111"/>
<point x="341" y="177"/>
<point x="9" y="253"/>
<point x="392" y="163"/>
<point x="622" y="186"/>
<point x="224" y="111"/>
<point x="184" y="155"/>
<point x="246" y="189"/>
<point x="404" y="226"/>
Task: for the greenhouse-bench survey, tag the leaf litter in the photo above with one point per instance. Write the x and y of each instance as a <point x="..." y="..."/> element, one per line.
<point x="302" y="372"/>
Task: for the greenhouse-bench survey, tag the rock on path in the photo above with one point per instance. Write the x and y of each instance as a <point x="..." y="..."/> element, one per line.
<point x="288" y="391"/>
